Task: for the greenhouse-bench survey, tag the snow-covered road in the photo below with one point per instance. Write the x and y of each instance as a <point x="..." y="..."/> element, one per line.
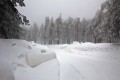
<point x="76" y="61"/>
<point x="84" y="67"/>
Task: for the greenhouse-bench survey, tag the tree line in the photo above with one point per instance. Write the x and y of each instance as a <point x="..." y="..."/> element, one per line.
<point x="57" y="31"/>
<point x="103" y="27"/>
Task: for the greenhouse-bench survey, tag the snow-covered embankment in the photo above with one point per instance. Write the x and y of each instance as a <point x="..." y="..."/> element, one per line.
<point x="22" y="60"/>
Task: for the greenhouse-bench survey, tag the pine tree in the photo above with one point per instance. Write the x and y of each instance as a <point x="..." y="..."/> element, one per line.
<point x="77" y="26"/>
<point x="47" y="23"/>
<point x="114" y="14"/>
<point x="10" y="18"/>
<point x="51" y="31"/>
<point x="58" y="25"/>
<point x="35" y="32"/>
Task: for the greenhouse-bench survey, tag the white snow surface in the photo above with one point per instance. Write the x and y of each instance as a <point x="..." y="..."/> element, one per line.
<point x="38" y="57"/>
<point x="22" y="60"/>
<point x="15" y="56"/>
<point x="88" y="61"/>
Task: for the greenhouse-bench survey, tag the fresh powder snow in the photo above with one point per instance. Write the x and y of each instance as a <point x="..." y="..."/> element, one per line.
<point x="23" y="60"/>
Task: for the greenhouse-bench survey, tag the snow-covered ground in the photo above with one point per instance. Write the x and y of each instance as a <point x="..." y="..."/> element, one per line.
<point x="22" y="60"/>
<point x="88" y="61"/>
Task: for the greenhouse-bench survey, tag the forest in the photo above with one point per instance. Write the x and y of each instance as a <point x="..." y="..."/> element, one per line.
<point x="104" y="27"/>
<point x="57" y="48"/>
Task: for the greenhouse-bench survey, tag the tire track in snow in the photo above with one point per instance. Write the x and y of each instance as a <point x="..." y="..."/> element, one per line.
<point x="81" y="68"/>
<point x="77" y="71"/>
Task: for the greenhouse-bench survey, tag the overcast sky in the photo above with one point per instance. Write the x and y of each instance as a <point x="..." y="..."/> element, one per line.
<point x="37" y="10"/>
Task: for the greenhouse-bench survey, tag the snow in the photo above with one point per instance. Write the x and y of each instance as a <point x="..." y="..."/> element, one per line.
<point x="88" y="61"/>
<point x="14" y="57"/>
<point x="46" y="71"/>
<point x="36" y="56"/>
<point x="6" y="71"/>
<point x="85" y="68"/>
<point x="23" y="60"/>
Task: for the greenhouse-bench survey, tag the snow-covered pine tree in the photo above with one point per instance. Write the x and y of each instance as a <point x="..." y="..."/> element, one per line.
<point x="58" y="25"/>
<point x="114" y="14"/>
<point x="10" y="18"/>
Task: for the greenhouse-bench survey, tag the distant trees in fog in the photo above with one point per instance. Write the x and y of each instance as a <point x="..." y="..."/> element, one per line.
<point x="104" y="27"/>
<point x="58" y="31"/>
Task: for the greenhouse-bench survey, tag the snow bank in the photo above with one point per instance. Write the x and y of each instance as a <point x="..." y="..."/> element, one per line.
<point x="35" y="57"/>
<point x="14" y="54"/>
<point x="107" y="51"/>
<point x="46" y="71"/>
<point x="6" y="70"/>
<point x="76" y="47"/>
<point x="14" y="50"/>
<point x="75" y="42"/>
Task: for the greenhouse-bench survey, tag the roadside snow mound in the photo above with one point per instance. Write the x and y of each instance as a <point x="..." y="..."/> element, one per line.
<point x="6" y="71"/>
<point x="98" y="50"/>
<point x="16" y="54"/>
<point x="36" y="56"/>
<point x="15" y="51"/>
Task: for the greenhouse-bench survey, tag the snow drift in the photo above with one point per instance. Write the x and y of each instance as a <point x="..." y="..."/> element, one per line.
<point x="35" y="57"/>
<point x="89" y="61"/>
<point x="16" y="56"/>
<point x="6" y="70"/>
<point x="23" y="60"/>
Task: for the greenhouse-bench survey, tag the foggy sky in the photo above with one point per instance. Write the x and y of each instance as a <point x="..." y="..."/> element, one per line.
<point x="37" y="10"/>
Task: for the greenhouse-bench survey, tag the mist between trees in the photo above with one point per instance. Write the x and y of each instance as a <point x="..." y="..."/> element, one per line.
<point x="104" y="27"/>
